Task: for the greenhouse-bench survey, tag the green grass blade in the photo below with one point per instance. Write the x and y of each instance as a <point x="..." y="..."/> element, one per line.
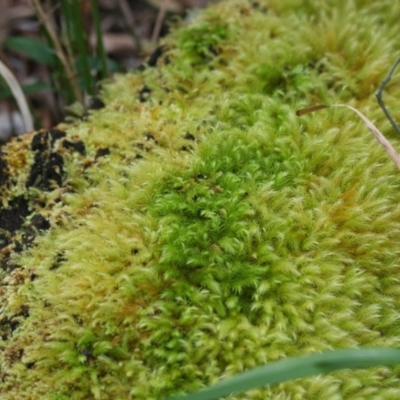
<point x="99" y="39"/>
<point x="31" y="48"/>
<point x="297" y="367"/>
<point x="68" y="24"/>
<point x="76" y="35"/>
<point x="68" y="38"/>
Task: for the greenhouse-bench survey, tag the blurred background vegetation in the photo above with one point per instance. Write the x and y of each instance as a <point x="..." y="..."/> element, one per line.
<point x="58" y="51"/>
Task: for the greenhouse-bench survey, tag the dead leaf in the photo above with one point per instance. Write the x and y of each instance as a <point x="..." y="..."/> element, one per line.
<point x="310" y="109"/>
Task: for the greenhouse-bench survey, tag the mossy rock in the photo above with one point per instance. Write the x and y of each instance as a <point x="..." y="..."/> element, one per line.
<point x="195" y="227"/>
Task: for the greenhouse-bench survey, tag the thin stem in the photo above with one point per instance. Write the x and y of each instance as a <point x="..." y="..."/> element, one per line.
<point x="130" y="21"/>
<point x="159" y="21"/>
<point x="378" y="95"/>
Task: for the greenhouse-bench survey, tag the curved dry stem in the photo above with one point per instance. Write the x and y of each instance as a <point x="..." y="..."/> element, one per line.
<point x="18" y="95"/>
<point x="379" y="136"/>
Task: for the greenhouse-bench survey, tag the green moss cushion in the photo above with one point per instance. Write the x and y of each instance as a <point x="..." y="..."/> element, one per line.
<point x="208" y="229"/>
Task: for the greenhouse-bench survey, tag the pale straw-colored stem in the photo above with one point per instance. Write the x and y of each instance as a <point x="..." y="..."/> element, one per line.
<point x="18" y="95"/>
<point x="379" y="136"/>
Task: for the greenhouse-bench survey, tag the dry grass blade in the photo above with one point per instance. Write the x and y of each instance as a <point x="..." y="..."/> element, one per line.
<point x="310" y="109"/>
<point x="379" y="136"/>
<point x="18" y="95"/>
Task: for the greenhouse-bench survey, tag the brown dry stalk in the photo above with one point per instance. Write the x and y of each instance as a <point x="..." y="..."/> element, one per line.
<point x="159" y="21"/>
<point x="130" y="21"/>
<point x="379" y="136"/>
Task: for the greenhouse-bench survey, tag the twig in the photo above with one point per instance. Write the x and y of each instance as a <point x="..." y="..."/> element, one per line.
<point x="159" y="21"/>
<point x="130" y="21"/>
<point x="378" y="95"/>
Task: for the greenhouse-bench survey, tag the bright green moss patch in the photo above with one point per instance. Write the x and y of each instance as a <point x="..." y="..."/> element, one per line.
<point x="210" y="230"/>
<point x="203" y="42"/>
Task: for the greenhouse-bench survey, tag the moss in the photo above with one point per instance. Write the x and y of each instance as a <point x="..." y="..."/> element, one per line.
<point x="198" y="228"/>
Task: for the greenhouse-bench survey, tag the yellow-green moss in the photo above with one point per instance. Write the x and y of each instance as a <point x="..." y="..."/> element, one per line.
<point x="222" y="232"/>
